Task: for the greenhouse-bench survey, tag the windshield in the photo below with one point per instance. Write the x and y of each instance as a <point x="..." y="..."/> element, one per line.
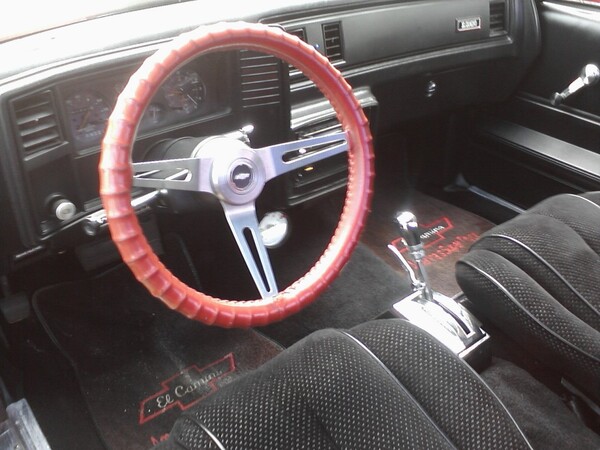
<point x="30" y="16"/>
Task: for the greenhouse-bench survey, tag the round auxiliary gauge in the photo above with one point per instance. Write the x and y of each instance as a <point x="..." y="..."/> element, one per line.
<point x="184" y="91"/>
<point x="274" y="229"/>
<point x="88" y="113"/>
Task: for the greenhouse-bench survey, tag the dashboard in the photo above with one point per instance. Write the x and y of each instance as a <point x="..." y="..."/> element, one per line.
<point x="405" y="59"/>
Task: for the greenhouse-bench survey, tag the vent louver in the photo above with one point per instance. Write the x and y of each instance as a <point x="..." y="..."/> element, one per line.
<point x="295" y="74"/>
<point x="37" y="124"/>
<point x="332" y="36"/>
<point x="260" y="78"/>
<point x="497" y="18"/>
<point x="300" y="33"/>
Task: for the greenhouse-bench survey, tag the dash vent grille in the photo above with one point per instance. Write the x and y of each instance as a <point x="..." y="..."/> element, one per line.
<point x="37" y="123"/>
<point x="497" y="18"/>
<point x="332" y="37"/>
<point x="295" y="74"/>
<point x="260" y="78"/>
<point x="300" y="33"/>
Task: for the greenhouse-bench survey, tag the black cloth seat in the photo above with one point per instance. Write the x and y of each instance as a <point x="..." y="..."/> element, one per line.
<point x="382" y="385"/>
<point x="537" y="277"/>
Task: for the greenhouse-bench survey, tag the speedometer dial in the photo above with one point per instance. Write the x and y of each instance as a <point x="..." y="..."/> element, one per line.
<point x="88" y="113"/>
<point x="184" y="91"/>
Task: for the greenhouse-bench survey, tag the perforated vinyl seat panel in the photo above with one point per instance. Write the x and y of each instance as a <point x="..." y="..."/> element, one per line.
<point x="385" y="384"/>
<point x="537" y="277"/>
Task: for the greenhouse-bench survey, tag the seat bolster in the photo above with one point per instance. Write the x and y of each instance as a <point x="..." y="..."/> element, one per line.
<point x="466" y="410"/>
<point x="326" y="392"/>
<point x="581" y="212"/>
<point x="555" y="256"/>
<point x="524" y="310"/>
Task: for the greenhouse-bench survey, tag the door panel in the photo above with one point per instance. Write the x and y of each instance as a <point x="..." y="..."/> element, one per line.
<point x="527" y="149"/>
<point x="570" y="40"/>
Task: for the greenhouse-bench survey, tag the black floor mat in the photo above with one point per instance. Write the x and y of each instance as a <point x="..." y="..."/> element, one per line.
<point x="366" y="288"/>
<point x="138" y="363"/>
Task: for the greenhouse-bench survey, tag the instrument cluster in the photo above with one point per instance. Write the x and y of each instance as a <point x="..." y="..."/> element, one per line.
<point x="182" y="97"/>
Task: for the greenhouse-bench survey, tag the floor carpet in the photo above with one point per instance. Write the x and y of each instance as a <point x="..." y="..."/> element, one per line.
<point x="138" y="363"/>
<point x="543" y="417"/>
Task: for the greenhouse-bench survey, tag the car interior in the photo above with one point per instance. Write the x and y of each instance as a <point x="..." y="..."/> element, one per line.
<point x="302" y="224"/>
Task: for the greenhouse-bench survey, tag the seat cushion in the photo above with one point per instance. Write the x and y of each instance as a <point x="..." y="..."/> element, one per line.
<point x="339" y="389"/>
<point x="537" y="277"/>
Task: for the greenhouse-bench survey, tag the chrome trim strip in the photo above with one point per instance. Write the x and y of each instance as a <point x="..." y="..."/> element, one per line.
<point x="209" y="433"/>
<point x="493" y="198"/>
<point x="316" y="112"/>
<point x="586" y="199"/>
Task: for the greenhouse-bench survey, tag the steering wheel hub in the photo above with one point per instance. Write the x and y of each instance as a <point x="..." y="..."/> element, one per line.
<point x="242" y="176"/>
<point x="236" y="171"/>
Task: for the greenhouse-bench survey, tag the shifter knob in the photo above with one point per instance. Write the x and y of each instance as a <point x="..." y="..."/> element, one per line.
<point x="409" y="229"/>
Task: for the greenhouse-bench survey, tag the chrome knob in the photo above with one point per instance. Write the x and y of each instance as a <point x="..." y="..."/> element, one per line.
<point x="589" y="76"/>
<point x="409" y="231"/>
<point x="409" y="228"/>
<point x="63" y="209"/>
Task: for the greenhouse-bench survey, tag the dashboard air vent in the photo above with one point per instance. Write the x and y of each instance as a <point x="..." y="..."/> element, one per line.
<point x="497" y="18"/>
<point x="295" y="74"/>
<point x="37" y="124"/>
<point x="260" y="78"/>
<point x="300" y="33"/>
<point x="332" y="36"/>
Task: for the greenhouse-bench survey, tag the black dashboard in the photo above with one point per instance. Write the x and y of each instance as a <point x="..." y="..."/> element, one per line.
<point x="405" y="59"/>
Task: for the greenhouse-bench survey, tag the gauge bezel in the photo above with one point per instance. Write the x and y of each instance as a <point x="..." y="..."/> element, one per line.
<point x="97" y="127"/>
<point x="190" y="104"/>
<point x="217" y="97"/>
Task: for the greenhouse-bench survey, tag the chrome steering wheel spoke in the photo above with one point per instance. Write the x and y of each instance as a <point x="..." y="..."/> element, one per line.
<point x="301" y="153"/>
<point x="236" y="174"/>
<point x="178" y="174"/>
<point x="244" y="226"/>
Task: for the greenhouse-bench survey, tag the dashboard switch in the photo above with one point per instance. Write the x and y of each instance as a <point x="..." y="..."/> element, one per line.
<point x="63" y="209"/>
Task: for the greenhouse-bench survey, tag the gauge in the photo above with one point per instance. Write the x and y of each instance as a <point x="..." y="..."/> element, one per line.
<point x="184" y="91"/>
<point x="88" y="113"/>
<point x="274" y="229"/>
<point x="154" y="114"/>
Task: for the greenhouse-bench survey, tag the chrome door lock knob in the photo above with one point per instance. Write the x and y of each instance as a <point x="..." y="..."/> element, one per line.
<point x="589" y="76"/>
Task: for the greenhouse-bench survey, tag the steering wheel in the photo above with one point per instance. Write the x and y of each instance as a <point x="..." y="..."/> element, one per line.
<point x="236" y="175"/>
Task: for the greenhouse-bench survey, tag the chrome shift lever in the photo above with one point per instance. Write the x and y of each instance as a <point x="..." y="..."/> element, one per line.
<point x="409" y="230"/>
<point x="436" y="313"/>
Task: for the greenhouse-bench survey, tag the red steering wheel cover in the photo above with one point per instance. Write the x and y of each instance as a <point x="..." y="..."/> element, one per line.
<point x="116" y="174"/>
